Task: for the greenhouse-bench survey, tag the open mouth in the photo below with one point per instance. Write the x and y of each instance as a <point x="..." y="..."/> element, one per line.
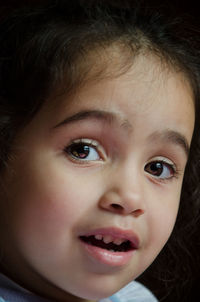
<point x="112" y="245"/>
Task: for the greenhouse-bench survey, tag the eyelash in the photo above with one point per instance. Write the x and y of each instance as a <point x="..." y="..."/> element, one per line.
<point x="100" y="153"/>
<point x="90" y="145"/>
<point x="165" y="163"/>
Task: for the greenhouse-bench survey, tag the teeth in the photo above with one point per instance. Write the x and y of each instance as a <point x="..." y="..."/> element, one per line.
<point x="118" y="241"/>
<point x="98" y="237"/>
<point x="107" y="239"/>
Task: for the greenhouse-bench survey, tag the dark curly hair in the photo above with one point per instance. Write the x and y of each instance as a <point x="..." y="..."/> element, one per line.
<point x="54" y="48"/>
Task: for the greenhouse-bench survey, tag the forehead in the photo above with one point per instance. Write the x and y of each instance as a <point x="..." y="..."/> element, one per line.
<point x="148" y="88"/>
<point x="147" y="81"/>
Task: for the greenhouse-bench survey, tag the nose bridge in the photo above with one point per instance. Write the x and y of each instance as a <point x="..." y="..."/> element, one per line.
<point x="128" y="182"/>
<point x="124" y="192"/>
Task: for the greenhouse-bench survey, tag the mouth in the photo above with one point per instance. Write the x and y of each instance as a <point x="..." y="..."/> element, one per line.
<point x="111" y="246"/>
<point x="108" y="243"/>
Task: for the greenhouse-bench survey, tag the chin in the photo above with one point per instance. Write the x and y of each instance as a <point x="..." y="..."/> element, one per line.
<point x="99" y="291"/>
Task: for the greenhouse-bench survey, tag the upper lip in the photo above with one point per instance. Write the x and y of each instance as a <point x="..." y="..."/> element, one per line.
<point x="127" y="235"/>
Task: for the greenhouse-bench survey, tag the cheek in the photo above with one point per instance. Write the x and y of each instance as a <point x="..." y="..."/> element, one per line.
<point x="46" y="208"/>
<point x="160" y="224"/>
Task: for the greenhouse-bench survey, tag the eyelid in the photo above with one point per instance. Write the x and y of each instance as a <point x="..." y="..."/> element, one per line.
<point x="85" y="141"/>
<point x="92" y="143"/>
<point x="168" y="162"/>
<point x="163" y="159"/>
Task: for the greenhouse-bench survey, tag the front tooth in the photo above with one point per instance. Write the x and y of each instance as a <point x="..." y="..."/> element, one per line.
<point x="107" y="239"/>
<point x="98" y="237"/>
<point x="118" y="241"/>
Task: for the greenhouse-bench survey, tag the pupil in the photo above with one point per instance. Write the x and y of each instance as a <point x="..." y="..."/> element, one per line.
<point x="80" y="151"/>
<point x="156" y="168"/>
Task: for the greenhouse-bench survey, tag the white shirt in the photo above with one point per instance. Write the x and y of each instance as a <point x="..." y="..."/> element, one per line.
<point x="133" y="292"/>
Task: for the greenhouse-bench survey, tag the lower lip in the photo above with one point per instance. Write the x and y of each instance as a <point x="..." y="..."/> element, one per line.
<point x="107" y="257"/>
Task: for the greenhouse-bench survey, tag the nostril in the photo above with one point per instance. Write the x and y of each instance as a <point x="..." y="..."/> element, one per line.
<point x="120" y="209"/>
<point x="121" y="203"/>
<point x="116" y="206"/>
<point x="138" y="212"/>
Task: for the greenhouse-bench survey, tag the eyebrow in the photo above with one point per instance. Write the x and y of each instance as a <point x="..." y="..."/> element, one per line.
<point x="168" y="135"/>
<point x="174" y="137"/>
<point x="101" y="115"/>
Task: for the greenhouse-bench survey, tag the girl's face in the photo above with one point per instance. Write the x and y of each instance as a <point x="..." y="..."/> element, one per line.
<point x="94" y="184"/>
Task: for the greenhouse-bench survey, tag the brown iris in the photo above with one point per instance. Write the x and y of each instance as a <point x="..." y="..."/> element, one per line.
<point x="79" y="150"/>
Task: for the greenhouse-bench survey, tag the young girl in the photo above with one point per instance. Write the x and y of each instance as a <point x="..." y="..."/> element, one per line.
<point x="98" y="105"/>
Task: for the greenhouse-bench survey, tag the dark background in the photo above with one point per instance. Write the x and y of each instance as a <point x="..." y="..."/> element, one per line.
<point x="187" y="7"/>
<point x="190" y="291"/>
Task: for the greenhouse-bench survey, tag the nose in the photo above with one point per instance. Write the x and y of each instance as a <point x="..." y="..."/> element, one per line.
<point x="124" y="196"/>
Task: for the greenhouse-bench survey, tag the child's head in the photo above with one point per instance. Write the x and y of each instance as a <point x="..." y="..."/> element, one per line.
<point x="97" y="117"/>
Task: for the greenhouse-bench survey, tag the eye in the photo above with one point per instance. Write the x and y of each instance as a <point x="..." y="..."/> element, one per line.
<point x="160" y="169"/>
<point x="84" y="150"/>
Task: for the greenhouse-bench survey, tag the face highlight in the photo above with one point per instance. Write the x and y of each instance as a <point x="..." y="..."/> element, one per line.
<point x="96" y="184"/>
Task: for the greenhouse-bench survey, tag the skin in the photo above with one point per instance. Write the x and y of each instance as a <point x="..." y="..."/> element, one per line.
<point x="53" y="196"/>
